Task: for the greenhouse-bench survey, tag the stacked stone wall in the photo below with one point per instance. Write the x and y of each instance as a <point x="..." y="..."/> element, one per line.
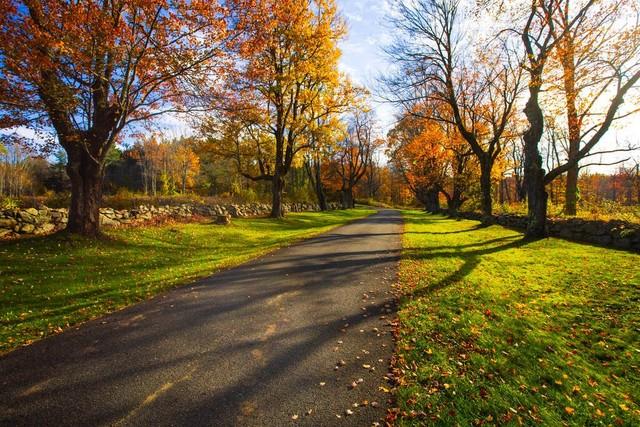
<point x="617" y="234"/>
<point x="17" y="222"/>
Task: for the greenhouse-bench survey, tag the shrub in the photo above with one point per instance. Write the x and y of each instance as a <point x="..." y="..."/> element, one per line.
<point x="9" y="203"/>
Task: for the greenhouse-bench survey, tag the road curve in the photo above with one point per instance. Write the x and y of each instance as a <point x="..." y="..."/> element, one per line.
<point x="296" y="337"/>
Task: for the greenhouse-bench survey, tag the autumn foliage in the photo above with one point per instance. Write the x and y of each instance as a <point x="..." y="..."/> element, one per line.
<point x="82" y="72"/>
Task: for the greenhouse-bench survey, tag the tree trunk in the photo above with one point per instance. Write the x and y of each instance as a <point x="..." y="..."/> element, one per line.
<point x="347" y="198"/>
<point x="277" y="187"/>
<point x="86" y="193"/>
<point x="537" y="202"/>
<point x="485" y="188"/>
<point x="322" y="197"/>
<point x="573" y="123"/>
<point x="430" y="199"/>
<point x="534" y="174"/>
<point x="571" y="191"/>
<point x="454" y="203"/>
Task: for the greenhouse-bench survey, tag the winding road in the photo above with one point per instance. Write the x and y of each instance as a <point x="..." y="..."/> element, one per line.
<point x="298" y="337"/>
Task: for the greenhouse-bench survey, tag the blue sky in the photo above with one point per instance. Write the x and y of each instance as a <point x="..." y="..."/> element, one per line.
<point x="362" y="56"/>
<point x="363" y="59"/>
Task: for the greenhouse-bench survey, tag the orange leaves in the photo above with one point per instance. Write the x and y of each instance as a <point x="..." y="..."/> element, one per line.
<point x="419" y="149"/>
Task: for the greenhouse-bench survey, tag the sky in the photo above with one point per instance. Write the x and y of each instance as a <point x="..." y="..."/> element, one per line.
<point x="363" y="59"/>
<point x="362" y="55"/>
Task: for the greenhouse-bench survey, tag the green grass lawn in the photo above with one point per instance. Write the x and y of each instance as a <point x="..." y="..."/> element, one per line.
<point x="495" y="330"/>
<point x="50" y="283"/>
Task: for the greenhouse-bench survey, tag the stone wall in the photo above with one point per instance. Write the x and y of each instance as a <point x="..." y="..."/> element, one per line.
<point x="17" y="222"/>
<point x="618" y="234"/>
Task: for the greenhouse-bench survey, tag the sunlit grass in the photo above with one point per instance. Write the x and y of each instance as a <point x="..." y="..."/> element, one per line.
<point x="496" y="330"/>
<point x="50" y="283"/>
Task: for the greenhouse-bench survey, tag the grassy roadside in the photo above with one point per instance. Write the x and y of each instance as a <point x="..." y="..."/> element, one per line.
<point x="494" y="330"/>
<point x="47" y="284"/>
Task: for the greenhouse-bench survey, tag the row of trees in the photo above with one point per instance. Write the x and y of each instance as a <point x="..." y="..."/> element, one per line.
<point x="172" y="164"/>
<point x="464" y="73"/>
<point x="263" y="73"/>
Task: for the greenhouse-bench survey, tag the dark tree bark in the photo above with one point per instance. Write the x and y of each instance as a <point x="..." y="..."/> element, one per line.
<point x="574" y="125"/>
<point x="86" y="177"/>
<point x="571" y="191"/>
<point x="486" y="165"/>
<point x="277" y="188"/>
<point x="313" y="166"/>
<point x="534" y="174"/>
<point x="348" y="201"/>
<point x="430" y="198"/>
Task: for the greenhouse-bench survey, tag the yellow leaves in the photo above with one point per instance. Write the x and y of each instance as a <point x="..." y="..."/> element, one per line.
<point x="623" y="407"/>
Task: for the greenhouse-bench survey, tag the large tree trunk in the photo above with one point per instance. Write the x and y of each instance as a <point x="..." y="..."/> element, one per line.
<point x="534" y="174"/>
<point x="86" y="193"/>
<point x="277" y="187"/>
<point x="537" y="201"/>
<point x="485" y="188"/>
<point x="454" y="200"/>
<point x="573" y="123"/>
<point x="322" y="197"/>
<point x="571" y="191"/>
<point x="347" y="198"/>
<point x="430" y="198"/>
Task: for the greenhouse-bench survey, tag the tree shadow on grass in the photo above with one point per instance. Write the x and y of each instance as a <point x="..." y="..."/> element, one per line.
<point x="471" y="259"/>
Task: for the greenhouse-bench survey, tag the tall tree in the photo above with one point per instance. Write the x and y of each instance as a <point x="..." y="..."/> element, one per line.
<point x="433" y="159"/>
<point x="438" y="66"/>
<point x="292" y="62"/>
<point x="355" y="153"/>
<point x="546" y="27"/>
<point x="591" y="53"/>
<point x="83" y="71"/>
<point x="324" y="133"/>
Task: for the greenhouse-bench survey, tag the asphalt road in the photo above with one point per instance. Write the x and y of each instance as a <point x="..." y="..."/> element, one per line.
<point x="301" y="332"/>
